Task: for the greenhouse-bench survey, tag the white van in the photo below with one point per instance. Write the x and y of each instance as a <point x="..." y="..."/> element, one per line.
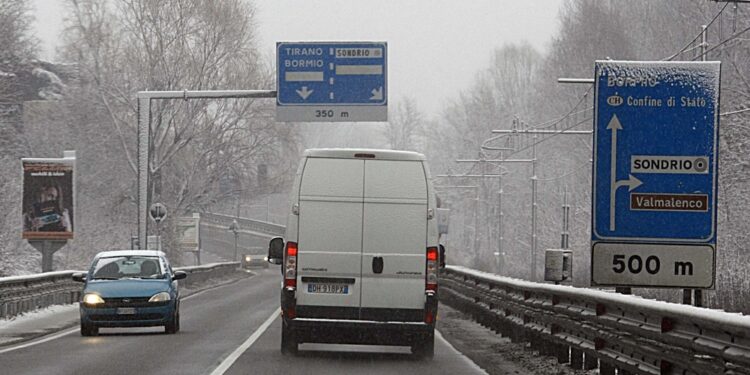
<point x="360" y="260"/>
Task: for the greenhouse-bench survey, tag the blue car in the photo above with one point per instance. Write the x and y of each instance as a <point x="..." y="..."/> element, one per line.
<point x="130" y="288"/>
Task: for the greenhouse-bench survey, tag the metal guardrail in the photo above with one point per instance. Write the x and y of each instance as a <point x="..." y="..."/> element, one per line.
<point x="19" y="294"/>
<point x="245" y="224"/>
<point x="590" y="328"/>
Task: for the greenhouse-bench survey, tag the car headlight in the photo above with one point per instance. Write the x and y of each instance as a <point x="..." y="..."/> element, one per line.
<point x="92" y="299"/>
<point x="160" y="297"/>
<point x="248" y="258"/>
<point x="265" y="259"/>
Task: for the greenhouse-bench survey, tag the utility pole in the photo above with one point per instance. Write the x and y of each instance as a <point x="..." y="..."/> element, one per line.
<point x="533" y="161"/>
<point x="499" y="253"/>
<point x="565" y="236"/>
<point x="476" y="209"/>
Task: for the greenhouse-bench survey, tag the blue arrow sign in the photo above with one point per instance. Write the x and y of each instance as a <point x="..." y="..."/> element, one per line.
<point x="333" y="80"/>
<point x="655" y="151"/>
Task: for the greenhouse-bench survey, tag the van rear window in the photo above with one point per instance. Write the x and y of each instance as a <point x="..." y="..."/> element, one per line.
<point x="332" y="177"/>
<point x="395" y="179"/>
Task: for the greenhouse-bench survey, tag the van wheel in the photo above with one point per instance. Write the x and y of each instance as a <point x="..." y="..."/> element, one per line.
<point x="288" y="340"/>
<point x="89" y="329"/>
<point x="424" y="349"/>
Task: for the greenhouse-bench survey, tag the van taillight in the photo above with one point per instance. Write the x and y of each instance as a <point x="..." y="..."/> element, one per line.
<point x="290" y="265"/>
<point x="431" y="276"/>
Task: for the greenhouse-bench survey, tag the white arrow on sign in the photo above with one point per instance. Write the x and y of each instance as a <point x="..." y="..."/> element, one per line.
<point x="304" y="93"/>
<point x="631" y="182"/>
<point x="377" y="94"/>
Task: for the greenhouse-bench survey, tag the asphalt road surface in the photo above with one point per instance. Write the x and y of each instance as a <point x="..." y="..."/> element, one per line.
<point x="231" y="329"/>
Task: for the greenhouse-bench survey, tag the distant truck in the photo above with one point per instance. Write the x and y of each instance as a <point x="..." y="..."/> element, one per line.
<point x="360" y="255"/>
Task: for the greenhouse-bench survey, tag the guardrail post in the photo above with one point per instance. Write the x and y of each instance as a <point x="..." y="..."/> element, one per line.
<point x="606" y="368"/>
<point x="576" y="359"/>
<point x="562" y="353"/>
<point x="590" y="362"/>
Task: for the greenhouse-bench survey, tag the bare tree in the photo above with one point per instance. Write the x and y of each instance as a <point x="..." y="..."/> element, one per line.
<point x="17" y="47"/>
<point x="132" y="45"/>
<point x="405" y="126"/>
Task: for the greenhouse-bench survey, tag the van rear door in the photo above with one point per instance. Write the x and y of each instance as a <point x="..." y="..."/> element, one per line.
<point x="394" y="240"/>
<point x="330" y="238"/>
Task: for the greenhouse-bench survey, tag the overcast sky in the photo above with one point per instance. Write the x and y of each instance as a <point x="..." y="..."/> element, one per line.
<point x="435" y="47"/>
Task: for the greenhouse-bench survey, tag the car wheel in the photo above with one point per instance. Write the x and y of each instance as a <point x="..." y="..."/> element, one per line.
<point x="424" y="349"/>
<point x="288" y="340"/>
<point x="173" y="325"/>
<point x="89" y="329"/>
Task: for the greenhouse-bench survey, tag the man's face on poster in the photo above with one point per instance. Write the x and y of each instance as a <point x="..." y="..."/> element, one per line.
<point x="49" y="194"/>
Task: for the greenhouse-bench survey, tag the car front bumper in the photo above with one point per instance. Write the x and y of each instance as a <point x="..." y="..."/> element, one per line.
<point x="121" y="317"/>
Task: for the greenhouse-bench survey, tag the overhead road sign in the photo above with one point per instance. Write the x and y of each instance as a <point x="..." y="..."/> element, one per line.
<point x="655" y="168"/>
<point x="331" y="81"/>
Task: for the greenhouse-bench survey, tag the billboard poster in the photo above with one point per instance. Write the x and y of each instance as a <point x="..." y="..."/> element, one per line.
<point x="47" y="200"/>
<point x="188" y="232"/>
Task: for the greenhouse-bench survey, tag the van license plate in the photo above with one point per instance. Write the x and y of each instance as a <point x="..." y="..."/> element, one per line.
<point x="328" y="288"/>
<point x="126" y="311"/>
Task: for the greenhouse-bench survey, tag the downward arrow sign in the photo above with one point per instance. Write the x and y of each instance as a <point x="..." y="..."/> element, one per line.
<point x="304" y="93"/>
<point x="377" y="94"/>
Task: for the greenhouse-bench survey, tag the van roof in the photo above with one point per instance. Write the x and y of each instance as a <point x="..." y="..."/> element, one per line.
<point x="353" y="153"/>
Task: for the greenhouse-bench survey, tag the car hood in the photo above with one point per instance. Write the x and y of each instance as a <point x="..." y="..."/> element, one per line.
<point x="127" y="287"/>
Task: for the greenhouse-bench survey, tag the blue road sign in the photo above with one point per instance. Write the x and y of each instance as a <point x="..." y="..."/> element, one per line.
<point x="655" y="152"/>
<point x="331" y="81"/>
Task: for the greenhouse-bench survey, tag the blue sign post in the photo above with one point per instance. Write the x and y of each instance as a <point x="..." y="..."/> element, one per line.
<point x="655" y="173"/>
<point x="331" y="81"/>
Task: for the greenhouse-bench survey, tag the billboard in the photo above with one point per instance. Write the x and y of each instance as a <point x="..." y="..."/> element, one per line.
<point x="48" y="202"/>
<point x="188" y="232"/>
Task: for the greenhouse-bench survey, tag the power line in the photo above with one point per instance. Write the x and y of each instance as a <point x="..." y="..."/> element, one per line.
<point x="683" y="49"/>
<point x="737" y="34"/>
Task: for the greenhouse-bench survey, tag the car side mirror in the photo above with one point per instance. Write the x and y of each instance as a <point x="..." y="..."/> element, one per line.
<point x="276" y="251"/>
<point x="79" y="276"/>
<point x="179" y="275"/>
<point x="442" y="256"/>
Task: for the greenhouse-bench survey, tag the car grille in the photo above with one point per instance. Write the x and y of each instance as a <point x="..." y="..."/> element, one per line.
<point x="110" y="318"/>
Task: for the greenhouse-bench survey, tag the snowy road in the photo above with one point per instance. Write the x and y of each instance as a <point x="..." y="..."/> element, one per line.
<point x="215" y="323"/>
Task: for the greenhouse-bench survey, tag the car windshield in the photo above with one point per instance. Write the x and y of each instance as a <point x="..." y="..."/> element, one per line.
<point x="141" y="267"/>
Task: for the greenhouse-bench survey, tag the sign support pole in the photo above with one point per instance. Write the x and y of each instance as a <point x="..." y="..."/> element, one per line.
<point x="144" y="135"/>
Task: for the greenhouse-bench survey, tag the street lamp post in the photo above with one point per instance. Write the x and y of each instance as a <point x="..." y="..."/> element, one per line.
<point x="235" y="228"/>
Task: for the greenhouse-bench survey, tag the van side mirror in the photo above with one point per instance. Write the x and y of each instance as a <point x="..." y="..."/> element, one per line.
<point x="79" y="276"/>
<point x="442" y="256"/>
<point x="179" y="275"/>
<point x="276" y="250"/>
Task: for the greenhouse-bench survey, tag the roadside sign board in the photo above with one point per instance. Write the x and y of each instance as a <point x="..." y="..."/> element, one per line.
<point x="655" y="172"/>
<point x="48" y="198"/>
<point x="331" y="81"/>
<point x="188" y="232"/>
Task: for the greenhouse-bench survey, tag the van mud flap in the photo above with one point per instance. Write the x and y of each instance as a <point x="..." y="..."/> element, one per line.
<point x="431" y="308"/>
<point x="288" y="303"/>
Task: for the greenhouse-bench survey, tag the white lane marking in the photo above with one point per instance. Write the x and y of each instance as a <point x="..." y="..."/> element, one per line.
<point x="43" y="340"/>
<point x="468" y="360"/>
<point x="77" y="329"/>
<point x="229" y="361"/>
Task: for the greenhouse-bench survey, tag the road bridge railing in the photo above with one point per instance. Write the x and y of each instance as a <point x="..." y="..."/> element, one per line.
<point x="245" y="224"/>
<point x="590" y="328"/>
<point x="20" y="294"/>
